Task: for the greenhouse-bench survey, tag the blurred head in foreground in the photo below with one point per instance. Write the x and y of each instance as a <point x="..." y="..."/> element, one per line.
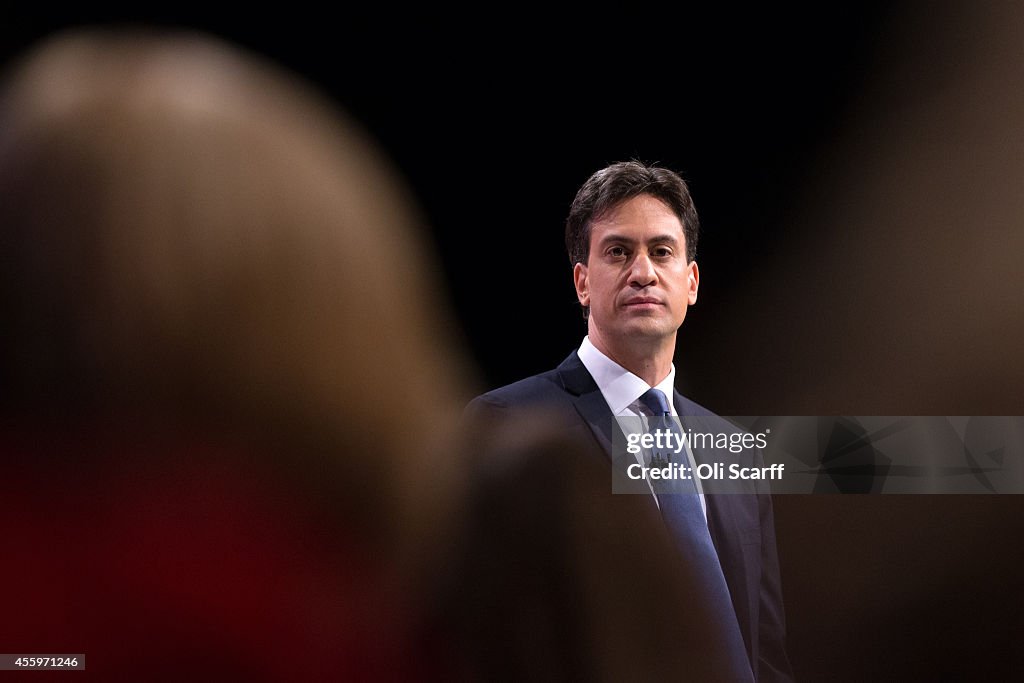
<point x="191" y="235"/>
<point x="211" y="287"/>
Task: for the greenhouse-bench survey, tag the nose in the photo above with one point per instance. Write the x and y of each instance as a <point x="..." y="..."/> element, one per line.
<point x="642" y="272"/>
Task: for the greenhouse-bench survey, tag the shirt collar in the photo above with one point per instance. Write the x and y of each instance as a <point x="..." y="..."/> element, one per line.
<point x="620" y="387"/>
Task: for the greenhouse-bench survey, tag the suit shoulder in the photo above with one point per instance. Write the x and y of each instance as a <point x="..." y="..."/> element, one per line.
<point x="685" y="406"/>
<point x="526" y="393"/>
<point x="704" y="418"/>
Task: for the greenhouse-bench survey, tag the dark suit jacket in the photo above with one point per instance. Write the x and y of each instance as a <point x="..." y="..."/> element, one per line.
<point x="742" y="526"/>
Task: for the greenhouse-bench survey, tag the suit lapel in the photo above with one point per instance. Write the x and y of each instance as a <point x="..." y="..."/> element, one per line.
<point x="591" y="406"/>
<point x="588" y="400"/>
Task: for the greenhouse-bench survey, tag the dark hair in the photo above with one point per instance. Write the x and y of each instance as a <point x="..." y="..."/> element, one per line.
<point x="615" y="184"/>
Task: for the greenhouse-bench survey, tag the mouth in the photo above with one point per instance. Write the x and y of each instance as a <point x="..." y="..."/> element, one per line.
<point x="642" y="303"/>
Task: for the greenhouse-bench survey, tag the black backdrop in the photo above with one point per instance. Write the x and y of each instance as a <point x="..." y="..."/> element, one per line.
<point x="496" y="120"/>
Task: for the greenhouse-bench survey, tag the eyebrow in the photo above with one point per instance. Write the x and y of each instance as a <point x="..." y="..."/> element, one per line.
<point x="657" y="239"/>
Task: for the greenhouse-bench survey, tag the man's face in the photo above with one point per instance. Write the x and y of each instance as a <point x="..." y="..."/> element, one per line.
<point x="637" y="280"/>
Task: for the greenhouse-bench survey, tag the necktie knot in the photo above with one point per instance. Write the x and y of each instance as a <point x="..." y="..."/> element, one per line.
<point x="656" y="402"/>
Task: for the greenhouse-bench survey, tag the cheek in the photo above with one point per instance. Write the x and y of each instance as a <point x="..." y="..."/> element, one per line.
<point x="594" y="283"/>
<point x="605" y="292"/>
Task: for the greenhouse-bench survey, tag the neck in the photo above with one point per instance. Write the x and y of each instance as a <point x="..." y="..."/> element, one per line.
<point x="648" y="359"/>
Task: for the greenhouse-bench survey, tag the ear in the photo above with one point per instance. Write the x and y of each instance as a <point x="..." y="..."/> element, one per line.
<point x="692" y="282"/>
<point x="579" y="276"/>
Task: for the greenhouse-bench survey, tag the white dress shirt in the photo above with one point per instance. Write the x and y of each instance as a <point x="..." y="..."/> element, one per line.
<point x="622" y="391"/>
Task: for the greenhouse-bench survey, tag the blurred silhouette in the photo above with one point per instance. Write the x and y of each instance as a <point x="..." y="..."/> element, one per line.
<point x="228" y="400"/>
<point x="559" y="579"/>
<point x="897" y="291"/>
<point x="222" y="372"/>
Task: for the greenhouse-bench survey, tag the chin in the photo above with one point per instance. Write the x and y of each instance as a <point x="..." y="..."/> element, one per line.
<point x="648" y="329"/>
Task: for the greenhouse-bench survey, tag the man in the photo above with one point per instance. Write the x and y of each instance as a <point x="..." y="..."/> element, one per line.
<point x="631" y="235"/>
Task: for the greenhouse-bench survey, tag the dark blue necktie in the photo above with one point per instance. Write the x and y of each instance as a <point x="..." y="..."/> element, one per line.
<point x="678" y="496"/>
<point x="681" y="510"/>
<point x="660" y="418"/>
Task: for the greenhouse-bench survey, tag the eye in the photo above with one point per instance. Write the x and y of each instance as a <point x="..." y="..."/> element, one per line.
<point x="616" y="252"/>
<point x="662" y="252"/>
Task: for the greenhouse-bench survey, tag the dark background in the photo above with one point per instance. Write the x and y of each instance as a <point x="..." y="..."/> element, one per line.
<point x="826" y="283"/>
<point x="496" y="120"/>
